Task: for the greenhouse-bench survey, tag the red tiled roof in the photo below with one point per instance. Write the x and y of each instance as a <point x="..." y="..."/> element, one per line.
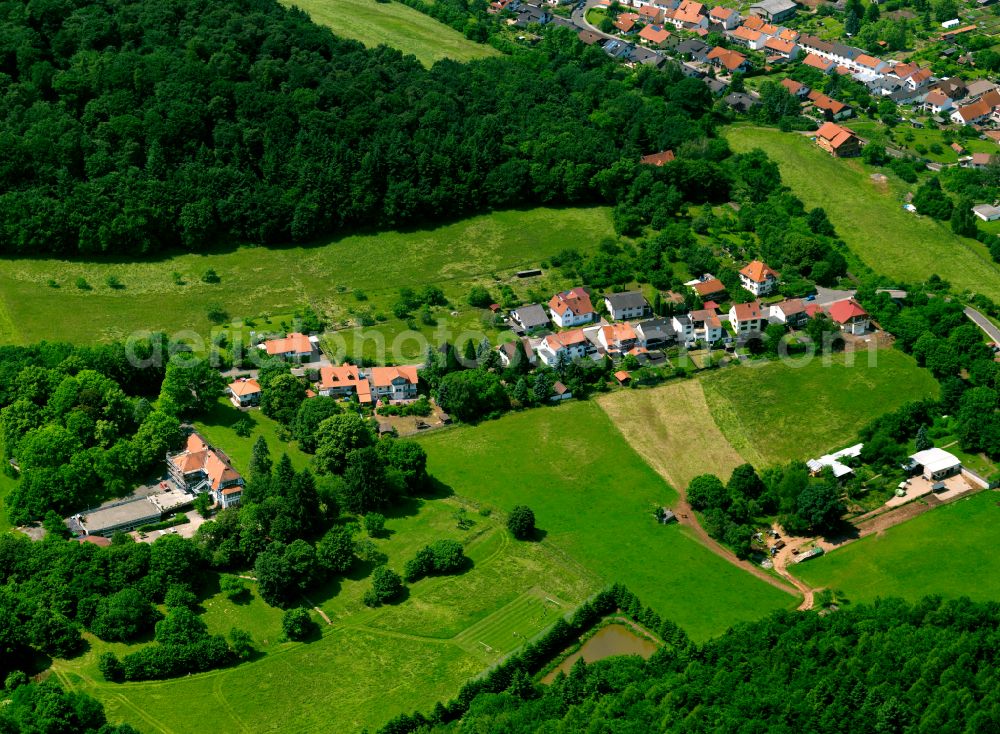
<point x="577" y="300"/>
<point x="826" y="103"/>
<point x="748" y="311"/>
<point x="293" y="343"/>
<point x="721" y="12"/>
<point x="654" y="34"/>
<point x="245" y="386"/>
<point x="758" y="271"/>
<point x="844" y="311"/>
<point x="657" y="159"/>
<point x="199" y="456"/>
<point x="834" y="134"/>
<point x="779" y="45"/>
<point x="689" y="12"/>
<point x="709" y="287"/>
<point x="817" y="62"/>
<point x="869" y="62"/>
<point x="746" y="34"/>
<point x="732" y="60"/>
<point x="617" y="333"/>
<point x="792" y="86"/>
<point x="331" y="377"/>
<point x="384" y="376"/>
<point x="563" y="339"/>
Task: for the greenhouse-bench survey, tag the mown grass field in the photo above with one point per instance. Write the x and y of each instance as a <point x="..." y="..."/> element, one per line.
<point x="369" y="665"/>
<point x="593" y="498"/>
<point x="869" y="216"/>
<point x="948" y="551"/>
<point x="217" y="427"/>
<point x="778" y="412"/>
<point x="257" y="281"/>
<point x="672" y="428"/>
<point x="395" y="25"/>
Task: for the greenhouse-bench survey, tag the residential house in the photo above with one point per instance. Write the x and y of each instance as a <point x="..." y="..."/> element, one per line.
<point x="837" y="110"/>
<point x="619" y="337"/>
<point x="937" y="102"/>
<point x="590" y="38"/>
<point x="199" y="468"/>
<point x="747" y="318"/>
<point x="683" y="328"/>
<point x="981" y="160"/>
<point x="244" y="392"/>
<point x="393" y="383"/>
<point x="571" y="308"/>
<point x="818" y="62"/>
<point x="530" y="318"/>
<point x="758" y="278"/>
<point x="754" y="40"/>
<point x="706" y="325"/>
<point x="780" y="48"/>
<point x="688" y="16"/>
<point x="658" y="159"/>
<point x="651" y="15"/>
<point x="796" y="89"/>
<point x="631" y="305"/>
<point x="715" y="86"/>
<point x="625" y="22"/>
<point x="647" y="57"/>
<point x="731" y="61"/>
<point x="508" y="352"/>
<point x="726" y="17"/>
<point x="692" y="49"/>
<point x="293" y="346"/>
<point x="840" y="142"/>
<point x="774" y="11"/>
<point x="978" y="111"/>
<point x="617" y="49"/>
<point x="791" y="312"/>
<point x="654" y="333"/>
<point x="840" y="470"/>
<point x="986" y="212"/>
<point x="564" y="345"/>
<point x="954" y="87"/>
<point x="869" y="65"/>
<point x="850" y="316"/>
<point x="344" y="382"/>
<point x="655" y="35"/>
<point x="741" y="102"/>
<point x="709" y="288"/>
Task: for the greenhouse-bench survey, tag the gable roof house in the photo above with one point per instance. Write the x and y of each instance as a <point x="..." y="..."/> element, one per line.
<point x="977" y="111"/>
<point x="838" y="141"/>
<point x="707" y="326"/>
<point x="741" y="102"/>
<point x="393" y="383"/>
<point x="791" y="311"/>
<point x="709" y="288"/>
<point x="748" y="37"/>
<point x="244" y="392"/>
<point x="571" y="308"/>
<point x="344" y="381"/>
<point x="293" y="346"/>
<point x="818" y="62"/>
<point x="937" y="102"/>
<point x="780" y="48"/>
<point x="683" y="328"/>
<point x="732" y="61"/>
<point x="693" y="49"/>
<point x="619" y="337"/>
<point x="508" y="352"/>
<point x="838" y="110"/>
<point x="758" y="278"/>
<point x="654" y="333"/>
<point x="774" y="11"/>
<point x="688" y="16"/>
<point x="573" y="344"/>
<point x="631" y="305"/>
<point x="849" y="315"/>
<point x="726" y="17"/>
<point x="658" y="159"/>
<point x="747" y="317"/>
<point x="199" y="468"/>
<point x="530" y="318"/>
<point x="626" y="22"/>
<point x="796" y="89"/>
<point x="651" y="14"/>
<point x="655" y="35"/>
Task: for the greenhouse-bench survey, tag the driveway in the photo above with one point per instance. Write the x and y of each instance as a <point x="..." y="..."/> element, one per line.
<point x="826" y="296"/>
<point x="985" y="324"/>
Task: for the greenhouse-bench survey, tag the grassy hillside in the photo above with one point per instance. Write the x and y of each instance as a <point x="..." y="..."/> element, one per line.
<point x="778" y="412"/>
<point x="593" y="498"/>
<point x="869" y="216"/>
<point x="672" y="428"/>
<point x="948" y="551"/>
<point x="260" y="281"/>
<point x="396" y="25"/>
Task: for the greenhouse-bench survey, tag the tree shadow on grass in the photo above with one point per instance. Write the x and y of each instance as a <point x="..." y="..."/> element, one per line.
<point x="324" y="592"/>
<point x="403" y="507"/>
<point x="842" y="532"/>
<point x="437" y="490"/>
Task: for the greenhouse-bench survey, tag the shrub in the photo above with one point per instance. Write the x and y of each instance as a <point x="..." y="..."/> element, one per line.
<point x="113" y="282"/>
<point x="521" y="522"/>
<point x="298" y="625"/>
<point x="479" y="297"/>
<point x="82" y="284"/>
<point x="374" y="524"/>
<point x="210" y="276"/>
<point x="386" y="586"/>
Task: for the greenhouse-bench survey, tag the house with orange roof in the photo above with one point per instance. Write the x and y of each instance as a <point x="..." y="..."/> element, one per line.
<point x="838" y="110"/>
<point x="244" y="392"/>
<point x="626" y="22"/>
<point x="781" y="48"/>
<point x="394" y="384"/>
<point x="726" y="17"/>
<point x="817" y="62"/>
<point x="688" y="16"/>
<point x="838" y="141"/>
<point x="937" y="102"/>
<point x="758" y="278"/>
<point x="747" y="317"/>
<point x="571" y="308"/>
<point x="344" y="381"/>
<point x="200" y="468"/>
<point x="293" y="346"/>
<point x="731" y="61"/>
<point x="752" y="39"/>
<point x="791" y="311"/>
<point x="850" y="316"/>
<point x="651" y="14"/>
<point x="709" y="289"/>
<point x="796" y="89"/>
<point x="618" y="337"/>
<point x="978" y="111"/>
<point x="563" y="346"/>
<point x="789" y="34"/>
<point x="654" y="35"/>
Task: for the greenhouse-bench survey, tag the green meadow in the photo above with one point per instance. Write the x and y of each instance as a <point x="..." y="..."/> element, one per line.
<point x="395" y="25"/>
<point x="593" y="499"/>
<point x="869" y="216"/>
<point x="348" y="280"/>
<point x="948" y="551"/>
<point x="780" y="411"/>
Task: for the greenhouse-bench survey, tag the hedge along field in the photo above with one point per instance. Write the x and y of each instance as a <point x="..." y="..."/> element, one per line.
<point x="256" y="281"/>
<point x="778" y="412"/>
<point x="593" y="499"/>
<point x="370" y="664"/>
<point x="948" y="551"/>
<point x="869" y="216"/>
<point x="395" y="25"/>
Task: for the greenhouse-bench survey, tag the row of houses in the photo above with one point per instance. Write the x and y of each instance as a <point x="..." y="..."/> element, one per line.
<point x="368" y="385"/>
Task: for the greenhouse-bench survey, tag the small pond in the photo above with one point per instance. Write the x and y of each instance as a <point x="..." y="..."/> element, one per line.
<point x="614" y="639"/>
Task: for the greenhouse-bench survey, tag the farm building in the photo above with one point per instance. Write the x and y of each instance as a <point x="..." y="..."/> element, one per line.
<point x="840" y="470"/>
<point x="935" y="464"/>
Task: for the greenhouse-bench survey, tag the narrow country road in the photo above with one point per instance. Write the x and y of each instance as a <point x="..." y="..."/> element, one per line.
<point x="984" y="323"/>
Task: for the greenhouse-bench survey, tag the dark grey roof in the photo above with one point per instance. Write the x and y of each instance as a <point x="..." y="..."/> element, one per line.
<point x="692" y="46"/>
<point x="740" y="101"/>
<point x="646" y="56"/>
<point x="655" y="330"/>
<point x="532" y="315"/>
<point x="632" y="299"/>
<point x="715" y="86"/>
<point x="774" y="6"/>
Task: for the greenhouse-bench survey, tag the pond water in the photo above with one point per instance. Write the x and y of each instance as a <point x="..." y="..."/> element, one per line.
<point x="615" y="639"/>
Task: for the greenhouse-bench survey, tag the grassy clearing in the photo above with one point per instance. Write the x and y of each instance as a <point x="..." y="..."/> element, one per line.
<point x="444" y="632"/>
<point x="673" y="430"/>
<point x="396" y="25"/>
<point x="593" y="497"/>
<point x="869" y="216"/>
<point x="257" y="282"/>
<point x="217" y="427"/>
<point x="947" y="551"/>
<point x="778" y="412"/>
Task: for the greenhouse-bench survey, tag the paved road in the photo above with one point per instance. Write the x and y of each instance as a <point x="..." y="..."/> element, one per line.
<point x="984" y="323"/>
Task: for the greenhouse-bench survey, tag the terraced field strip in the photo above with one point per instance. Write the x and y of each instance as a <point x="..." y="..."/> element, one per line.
<point x="510" y="626"/>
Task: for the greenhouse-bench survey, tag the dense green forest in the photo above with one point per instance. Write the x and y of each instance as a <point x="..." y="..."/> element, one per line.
<point x="887" y="668"/>
<point x="129" y="126"/>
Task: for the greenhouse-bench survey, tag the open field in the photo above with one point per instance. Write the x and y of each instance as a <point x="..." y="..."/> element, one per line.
<point x="593" y="499"/>
<point x="947" y="551"/>
<point x="260" y="281"/>
<point x="869" y="216"/>
<point x="672" y="429"/>
<point x="395" y="25"/>
<point x="778" y="412"/>
<point x="370" y="664"/>
<point x="217" y="427"/>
